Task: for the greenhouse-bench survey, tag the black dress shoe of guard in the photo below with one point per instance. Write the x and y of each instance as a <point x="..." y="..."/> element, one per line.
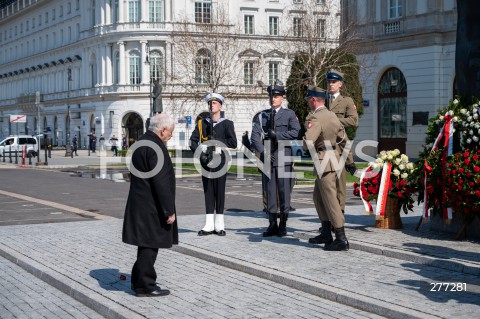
<point x="156" y="293"/>
<point x="220" y="233"/>
<point x="205" y="233"/>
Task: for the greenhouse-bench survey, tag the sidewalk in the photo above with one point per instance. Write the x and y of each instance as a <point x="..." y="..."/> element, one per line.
<point x="243" y="275"/>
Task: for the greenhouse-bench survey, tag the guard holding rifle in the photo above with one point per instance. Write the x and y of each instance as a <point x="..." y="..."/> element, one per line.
<point x="273" y="125"/>
<point x="213" y="127"/>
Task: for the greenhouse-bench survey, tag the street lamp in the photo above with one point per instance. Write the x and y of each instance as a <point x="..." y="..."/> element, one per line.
<point x="68" y="148"/>
<point x="148" y="62"/>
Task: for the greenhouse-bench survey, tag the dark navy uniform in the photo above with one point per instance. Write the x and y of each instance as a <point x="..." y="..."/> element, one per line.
<point x="284" y="123"/>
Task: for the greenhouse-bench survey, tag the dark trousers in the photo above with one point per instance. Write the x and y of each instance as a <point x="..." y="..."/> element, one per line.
<point x="278" y="186"/>
<point x="144" y="277"/>
<point x="214" y="191"/>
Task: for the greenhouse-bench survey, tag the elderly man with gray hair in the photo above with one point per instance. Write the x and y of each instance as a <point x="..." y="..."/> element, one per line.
<point x="150" y="216"/>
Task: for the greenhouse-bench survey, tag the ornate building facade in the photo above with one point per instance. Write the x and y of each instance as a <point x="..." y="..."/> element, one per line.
<point x="95" y="63"/>
<point x="408" y="70"/>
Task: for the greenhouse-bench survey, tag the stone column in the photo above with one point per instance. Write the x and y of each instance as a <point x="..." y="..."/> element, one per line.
<point x="121" y="13"/>
<point x="108" y="60"/>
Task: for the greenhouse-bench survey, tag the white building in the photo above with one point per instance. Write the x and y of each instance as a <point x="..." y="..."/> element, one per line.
<point x="409" y="70"/>
<point x="88" y="59"/>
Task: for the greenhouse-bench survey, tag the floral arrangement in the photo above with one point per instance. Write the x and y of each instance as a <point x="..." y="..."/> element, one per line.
<point x="399" y="186"/>
<point x="464" y="180"/>
<point x="450" y="170"/>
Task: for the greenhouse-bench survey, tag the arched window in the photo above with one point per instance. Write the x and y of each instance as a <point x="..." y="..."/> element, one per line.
<point x="156" y="63"/>
<point x="202" y="67"/>
<point x="134" y="64"/>
<point x="392" y="111"/>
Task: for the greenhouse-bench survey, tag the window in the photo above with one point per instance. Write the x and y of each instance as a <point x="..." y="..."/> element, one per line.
<point x="133" y="11"/>
<point x="93" y="12"/>
<point x="273" y="25"/>
<point x="320" y="1"/>
<point x="53" y="14"/>
<point x="134" y="59"/>
<point x="248" y="73"/>
<point x="321" y="28"/>
<point x="297" y="27"/>
<point x="46" y="17"/>
<point x="249" y="25"/>
<point x="77" y="5"/>
<point x="203" y="11"/>
<point x="69" y="8"/>
<point x="156" y="62"/>
<point x="28" y="25"/>
<point x="155" y="10"/>
<point x="115" y="11"/>
<point x="273" y="73"/>
<point x="202" y="67"/>
<point x="297" y="1"/>
<point x="33" y="23"/>
<point x="60" y="14"/>
<point x="395" y="9"/>
<point x="116" y="68"/>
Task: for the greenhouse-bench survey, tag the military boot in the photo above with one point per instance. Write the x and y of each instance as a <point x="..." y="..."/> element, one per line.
<point x="340" y="242"/>
<point x="272" y="227"/>
<point x="282" y="227"/>
<point x="325" y="236"/>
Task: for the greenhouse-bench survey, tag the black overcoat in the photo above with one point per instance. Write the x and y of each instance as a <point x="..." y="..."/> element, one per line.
<point x="150" y="200"/>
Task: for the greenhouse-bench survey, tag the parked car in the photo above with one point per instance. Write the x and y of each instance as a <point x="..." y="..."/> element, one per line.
<point x="297" y="149"/>
<point x="16" y="142"/>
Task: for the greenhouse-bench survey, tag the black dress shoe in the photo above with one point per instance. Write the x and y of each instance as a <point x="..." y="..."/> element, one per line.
<point x="220" y="233"/>
<point x="156" y="293"/>
<point x="205" y="233"/>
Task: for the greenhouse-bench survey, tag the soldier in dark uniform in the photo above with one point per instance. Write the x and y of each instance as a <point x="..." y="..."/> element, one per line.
<point x="323" y="130"/>
<point x="276" y="124"/>
<point x="346" y="111"/>
<point x="213" y="127"/>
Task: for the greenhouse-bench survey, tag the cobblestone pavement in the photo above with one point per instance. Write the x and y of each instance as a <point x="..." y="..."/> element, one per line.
<point x="89" y="257"/>
<point x="23" y="295"/>
<point x="243" y="275"/>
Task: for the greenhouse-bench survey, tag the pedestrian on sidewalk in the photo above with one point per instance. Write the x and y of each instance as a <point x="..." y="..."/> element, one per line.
<point x="113" y="142"/>
<point x="213" y="127"/>
<point x="323" y="130"/>
<point x="102" y="142"/>
<point x="276" y="124"/>
<point x="150" y="215"/>
<point x="75" y="145"/>
<point x="124" y="142"/>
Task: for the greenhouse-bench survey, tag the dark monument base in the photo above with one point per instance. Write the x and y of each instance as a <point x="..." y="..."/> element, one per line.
<point x="456" y="226"/>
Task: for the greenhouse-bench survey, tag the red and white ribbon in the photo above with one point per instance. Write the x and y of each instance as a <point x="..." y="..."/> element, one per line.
<point x="366" y="204"/>
<point x="447" y="133"/>
<point x="383" y="191"/>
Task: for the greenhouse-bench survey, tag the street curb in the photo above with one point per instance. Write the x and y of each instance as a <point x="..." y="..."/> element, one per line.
<point x="95" y="301"/>
<point x="342" y="296"/>
<point x="70" y="209"/>
<point x="462" y="267"/>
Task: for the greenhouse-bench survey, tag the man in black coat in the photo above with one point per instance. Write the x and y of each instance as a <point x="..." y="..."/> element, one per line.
<point x="213" y="128"/>
<point x="150" y="216"/>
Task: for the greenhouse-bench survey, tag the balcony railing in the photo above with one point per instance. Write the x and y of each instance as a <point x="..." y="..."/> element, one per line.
<point x="391" y="27"/>
<point x="15" y="7"/>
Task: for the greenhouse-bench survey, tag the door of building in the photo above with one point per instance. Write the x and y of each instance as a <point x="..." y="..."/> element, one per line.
<point x="392" y="111"/>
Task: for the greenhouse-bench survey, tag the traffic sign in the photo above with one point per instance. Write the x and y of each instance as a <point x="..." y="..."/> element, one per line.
<point x="18" y="118"/>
